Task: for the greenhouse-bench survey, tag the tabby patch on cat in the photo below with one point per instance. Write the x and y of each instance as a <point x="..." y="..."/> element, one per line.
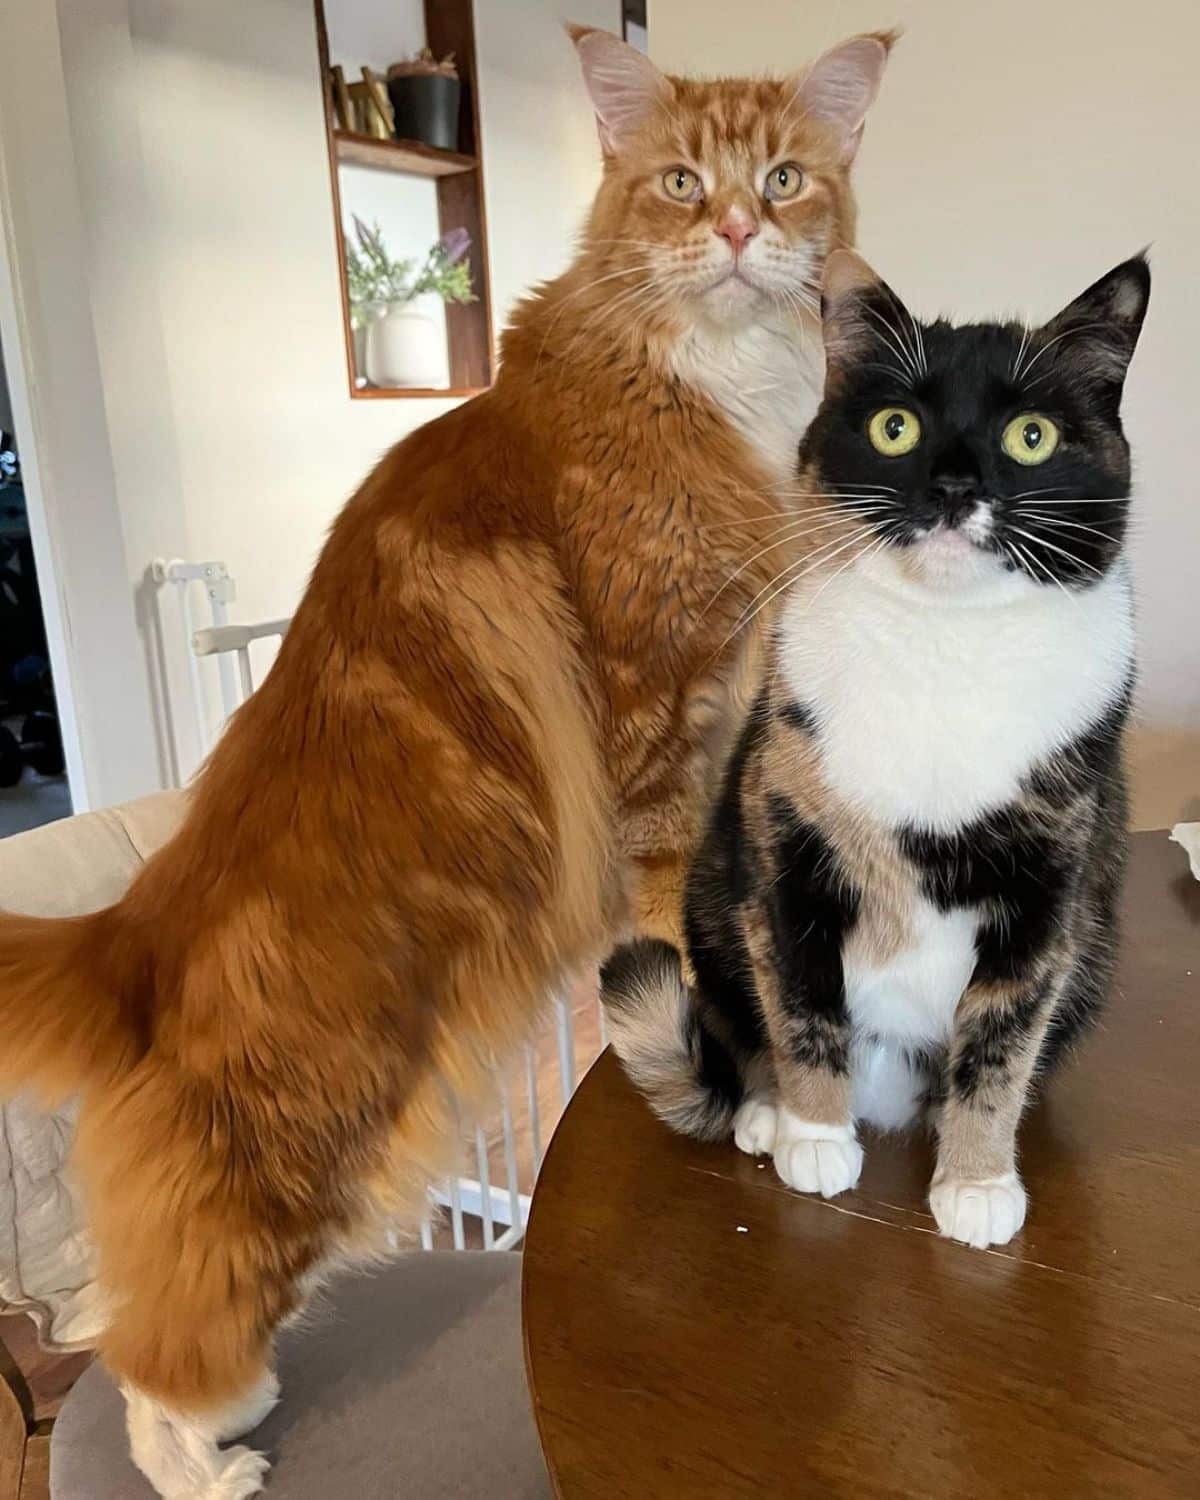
<point x="906" y="899"/>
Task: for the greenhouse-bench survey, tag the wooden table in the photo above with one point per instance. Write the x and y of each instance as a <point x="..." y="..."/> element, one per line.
<point x="695" y="1329"/>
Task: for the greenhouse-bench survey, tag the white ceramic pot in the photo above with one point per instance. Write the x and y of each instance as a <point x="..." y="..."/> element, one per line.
<point x="360" y="354"/>
<point x="406" y="348"/>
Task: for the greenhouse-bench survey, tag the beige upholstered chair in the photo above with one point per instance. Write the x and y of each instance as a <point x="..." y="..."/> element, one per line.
<point x="406" y="1381"/>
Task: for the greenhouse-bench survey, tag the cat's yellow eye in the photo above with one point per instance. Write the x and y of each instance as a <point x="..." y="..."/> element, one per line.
<point x="1030" y="438"/>
<point x="894" y="431"/>
<point x="784" y="182"/>
<point x="682" y="184"/>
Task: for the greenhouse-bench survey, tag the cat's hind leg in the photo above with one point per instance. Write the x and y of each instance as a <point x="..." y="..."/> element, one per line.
<point x="180" y="1454"/>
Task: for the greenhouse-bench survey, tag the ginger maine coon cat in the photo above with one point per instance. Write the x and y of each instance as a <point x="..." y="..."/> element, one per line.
<point x="473" y="763"/>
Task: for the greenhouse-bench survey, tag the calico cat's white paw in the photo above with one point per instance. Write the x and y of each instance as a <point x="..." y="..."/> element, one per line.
<point x="825" y="1159"/>
<point x="979" y="1212"/>
<point x="754" y="1127"/>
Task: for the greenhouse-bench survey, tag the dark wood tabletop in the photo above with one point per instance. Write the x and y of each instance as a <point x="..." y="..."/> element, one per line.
<point x="694" y="1328"/>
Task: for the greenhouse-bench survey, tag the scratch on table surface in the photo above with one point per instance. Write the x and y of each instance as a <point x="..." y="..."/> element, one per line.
<point x="1021" y="1260"/>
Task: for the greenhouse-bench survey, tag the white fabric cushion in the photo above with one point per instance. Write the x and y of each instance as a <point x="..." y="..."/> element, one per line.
<point x="46" y="1260"/>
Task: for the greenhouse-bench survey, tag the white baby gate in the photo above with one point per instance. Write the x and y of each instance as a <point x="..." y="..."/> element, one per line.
<point x="500" y="1202"/>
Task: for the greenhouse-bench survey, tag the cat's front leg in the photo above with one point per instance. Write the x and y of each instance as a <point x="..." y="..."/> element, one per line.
<point x="977" y="1195"/>
<point x="798" y="974"/>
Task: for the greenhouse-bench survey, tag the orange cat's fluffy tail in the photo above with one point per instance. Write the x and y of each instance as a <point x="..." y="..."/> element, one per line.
<point x="65" y="1007"/>
<point x="689" y="1074"/>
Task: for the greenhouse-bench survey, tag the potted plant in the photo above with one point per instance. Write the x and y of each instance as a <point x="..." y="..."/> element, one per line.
<point x="425" y="97"/>
<point x="403" y="346"/>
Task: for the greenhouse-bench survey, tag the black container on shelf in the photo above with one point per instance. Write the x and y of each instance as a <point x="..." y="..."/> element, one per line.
<point x="426" y="108"/>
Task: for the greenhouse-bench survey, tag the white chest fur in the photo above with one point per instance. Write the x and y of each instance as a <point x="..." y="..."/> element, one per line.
<point x="906" y="1003"/>
<point x="931" y="713"/>
<point x="765" y="378"/>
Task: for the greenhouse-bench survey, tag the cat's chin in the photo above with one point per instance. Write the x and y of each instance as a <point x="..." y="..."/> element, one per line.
<point x="732" y="303"/>
<point x="948" y="565"/>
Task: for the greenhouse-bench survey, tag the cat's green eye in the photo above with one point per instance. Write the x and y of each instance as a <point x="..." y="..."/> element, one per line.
<point x="1030" y="438"/>
<point x="894" y="431"/>
<point x="682" y="184"/>
<point x="784" y="182"/>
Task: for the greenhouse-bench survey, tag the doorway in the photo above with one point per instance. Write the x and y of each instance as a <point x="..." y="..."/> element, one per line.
<point x="33" y="783"/>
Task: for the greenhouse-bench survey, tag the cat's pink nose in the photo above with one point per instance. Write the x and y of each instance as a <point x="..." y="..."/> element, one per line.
<point x="739" y="230"/>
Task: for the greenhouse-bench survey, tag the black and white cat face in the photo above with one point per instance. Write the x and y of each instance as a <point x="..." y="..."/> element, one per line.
<point x="980" y="453"/>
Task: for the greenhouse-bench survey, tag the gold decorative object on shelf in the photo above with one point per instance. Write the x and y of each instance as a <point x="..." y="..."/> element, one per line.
<point x="379" y="97"/>
<point x="343" y="105"/>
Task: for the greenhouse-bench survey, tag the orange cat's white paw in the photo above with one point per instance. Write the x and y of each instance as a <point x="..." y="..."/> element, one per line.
<point x="813" y="1158"/>
<point x="754" y="1127"/>
<point x="979" y="1212"/>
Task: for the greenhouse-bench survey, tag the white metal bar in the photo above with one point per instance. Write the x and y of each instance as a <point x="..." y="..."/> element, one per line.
<point x="510" y="1153"/>
<point x="243" y="658"/>
<point x="213" y="639"/>
<point x="199" y="701"/>
<point x="510" y="1238"/>
<point x="426" y="1234"/>
<point x="456" y="1215"/>
<point x="471" y="1200"/>
<point x="485" y="1191"/>
<point x="565" y="1024"/>
<point x="535" y="1126"/>
<point x="229" y="692"/>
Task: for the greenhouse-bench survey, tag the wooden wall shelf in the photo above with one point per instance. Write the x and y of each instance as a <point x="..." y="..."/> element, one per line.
<point x="399" y="156"/>
<point x="458" y="181"/>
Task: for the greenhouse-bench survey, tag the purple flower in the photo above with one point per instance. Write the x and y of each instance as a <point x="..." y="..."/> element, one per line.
<point x="455" y="244"/>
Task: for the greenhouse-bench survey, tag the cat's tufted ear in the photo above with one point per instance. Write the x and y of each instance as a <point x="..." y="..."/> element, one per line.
<point x="624" y="84"/>
<point x="1098" y="332"/>
<point x="841" y="85"/>
<point x="860" y="312"/>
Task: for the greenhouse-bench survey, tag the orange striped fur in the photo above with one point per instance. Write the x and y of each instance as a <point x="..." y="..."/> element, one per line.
<point x="475" y="760"/>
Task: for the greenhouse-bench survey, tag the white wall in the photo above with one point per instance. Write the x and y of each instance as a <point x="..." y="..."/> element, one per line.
<point x="199" y="133"/>
<point x="1015" y="154"/>
<point x="366" y="31"/>
<point x="60" y="416"/>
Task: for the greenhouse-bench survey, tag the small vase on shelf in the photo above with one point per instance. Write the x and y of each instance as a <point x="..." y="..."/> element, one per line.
<point x="425" y="95"/>
<point x="406" y="350"/>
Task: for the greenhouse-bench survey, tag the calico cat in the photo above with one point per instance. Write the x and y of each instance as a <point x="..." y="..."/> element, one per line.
<point x="907" y="895"/>
<point x="476" y="757"/>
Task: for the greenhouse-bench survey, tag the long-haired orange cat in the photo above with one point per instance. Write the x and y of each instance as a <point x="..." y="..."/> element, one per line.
<point x="475" y="758"/>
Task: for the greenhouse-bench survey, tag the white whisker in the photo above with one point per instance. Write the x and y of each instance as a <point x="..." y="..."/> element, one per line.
<point x="893" y="341"/>
<point x="782" y="541"/>
<point x="1057" y="523"/>
<point x="1042" y="542"/>
<point x="813" y="560"/>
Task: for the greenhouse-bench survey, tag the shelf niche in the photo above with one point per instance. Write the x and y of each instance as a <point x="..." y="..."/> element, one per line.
<point x="458" y="183"/>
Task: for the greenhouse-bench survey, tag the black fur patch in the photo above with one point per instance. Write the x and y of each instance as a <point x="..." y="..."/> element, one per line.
<point x="1020" y="875"/>
<point x="812" y="910"/>
<point x="627" y="966"/>
<point x="724" y="876"/>
<point x="990" y="1039"/>
<point x="799" y="716"/>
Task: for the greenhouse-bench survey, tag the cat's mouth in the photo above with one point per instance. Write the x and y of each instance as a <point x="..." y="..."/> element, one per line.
<point x="732" y="278"/>
<point x="952" y="540"/>
<point x="952" y="553"/>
